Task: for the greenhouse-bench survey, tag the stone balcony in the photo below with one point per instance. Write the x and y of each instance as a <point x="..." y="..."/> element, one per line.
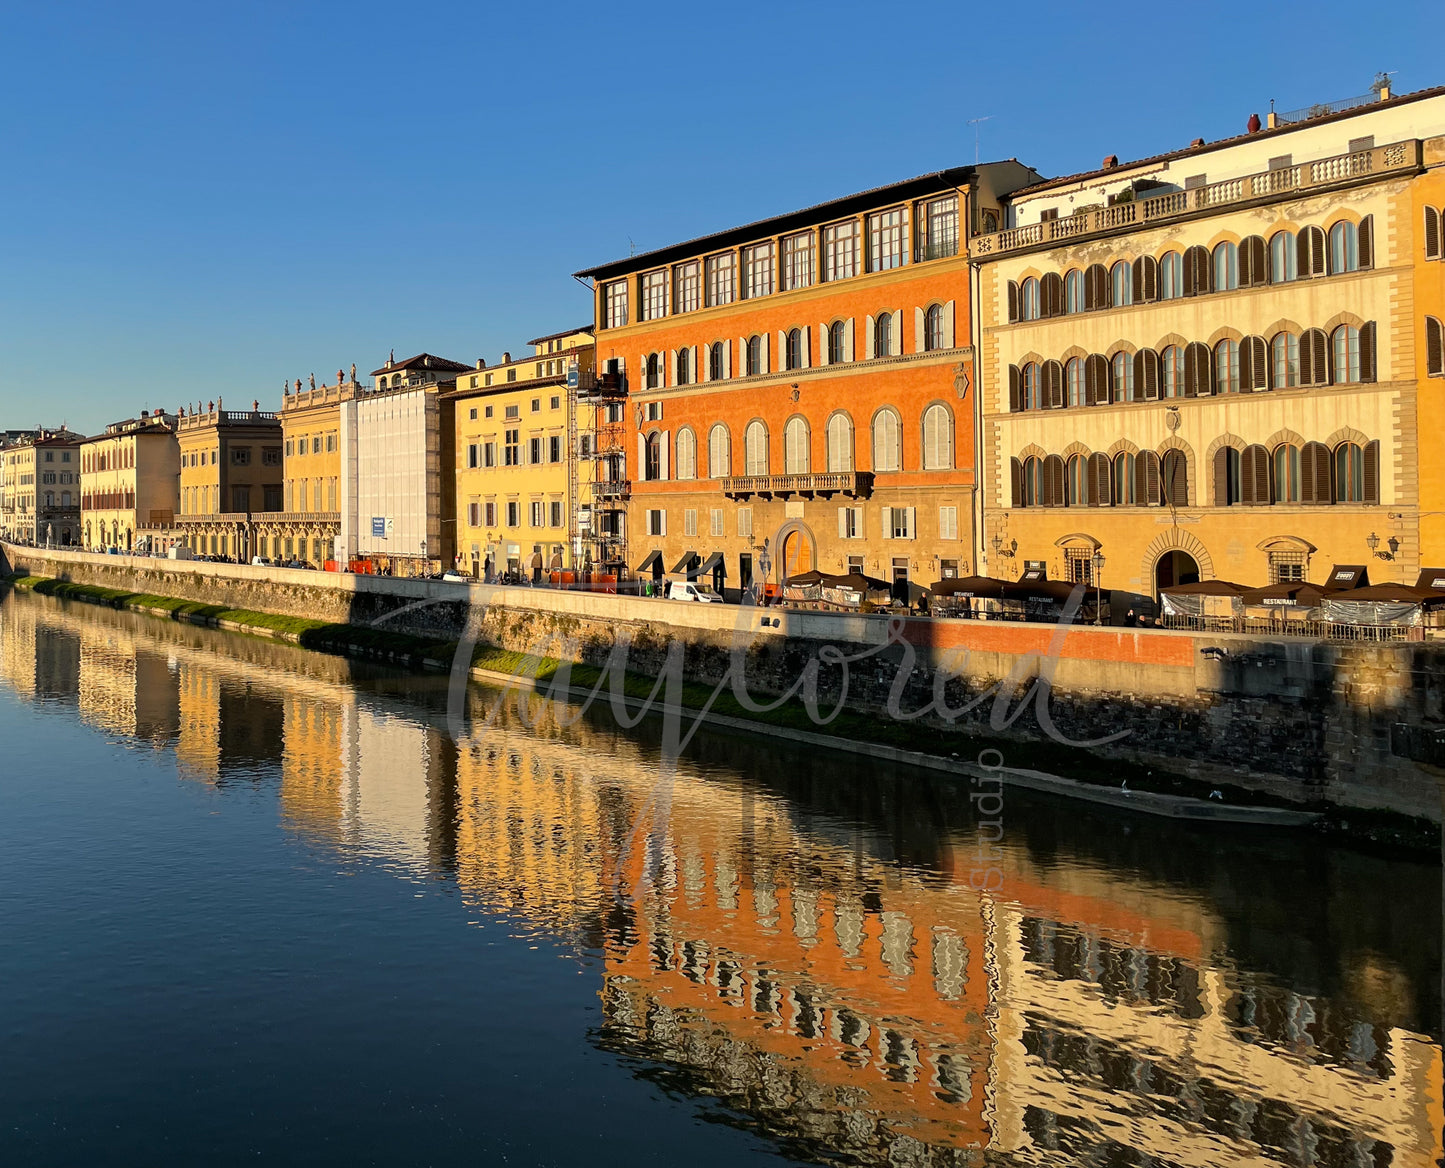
<point x="856" y="483"/>
<point x="1284" y="182"/>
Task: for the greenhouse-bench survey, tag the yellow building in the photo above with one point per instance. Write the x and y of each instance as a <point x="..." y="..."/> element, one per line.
<point x="518" y="476"/>
<point x="1426" y="253"/>
<point x="1209" y="364"/>
<point x="130" y="483"/>
<point x="311" y="428"/>
<point x="231" y="469"/>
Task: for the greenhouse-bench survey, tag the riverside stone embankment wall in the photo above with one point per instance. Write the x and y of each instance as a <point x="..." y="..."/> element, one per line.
<point x="1359" y="725"/>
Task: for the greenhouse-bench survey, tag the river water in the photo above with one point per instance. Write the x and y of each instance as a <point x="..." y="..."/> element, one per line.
<point x="261" y="905"/>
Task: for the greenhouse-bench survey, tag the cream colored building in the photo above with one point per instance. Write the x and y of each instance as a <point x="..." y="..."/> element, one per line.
<point x="519" y="479"/>
<point x="130" y="485"/>
<point x="231" y="468"/>
<point x="1203" y="364"/>
<point x="311" y="425"/>
<point x="40" y="500"/>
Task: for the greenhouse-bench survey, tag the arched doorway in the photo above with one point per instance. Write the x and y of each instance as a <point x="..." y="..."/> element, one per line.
<point x="1173" y="568"/>
<point x="797" y="554"/>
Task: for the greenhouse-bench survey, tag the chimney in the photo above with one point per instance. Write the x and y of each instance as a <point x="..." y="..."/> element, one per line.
<point x="1196" y="144"/>
<point x="481" y="364"/>
<point x="506" y="358"/>
<point x="145" y="413"/>
<point x="1271" y="121"/>
<point x="1111" y="162"/>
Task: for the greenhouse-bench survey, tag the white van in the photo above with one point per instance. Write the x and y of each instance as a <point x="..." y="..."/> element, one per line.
<point x="180" y="552"/>
<point x="686" y="590"/>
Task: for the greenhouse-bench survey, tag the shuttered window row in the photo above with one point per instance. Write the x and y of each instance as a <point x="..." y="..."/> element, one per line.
<point x="1096" y="480"/>
<point x="1311" y="475"/>
<point x="1198" y="271"/>
<point x="1345" y="356"/>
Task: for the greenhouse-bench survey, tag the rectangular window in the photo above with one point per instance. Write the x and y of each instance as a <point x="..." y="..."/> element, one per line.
<point x="721" y="270"/>
<point x="850" y="522"/>
<point x="316" y="444"/>
<point x="745" y="523"/>
<point x="472" y="413"/>
<point x="512" y="412"/>
<point x="687" y="292"/>
<point x="536" y="405"/>
<point x="940" y="228"/>
<point x="240" y="456"/>
<point x="556" y="402"/>
<point x="1286" y="567"/>
<point x="487" y="413"/>
<point x="840" y="250"/>
<point x="719" y="518"/>
<point x="654" y="295"/>
<point x="614" y="303"/>
<point x="271" y="456"/>
<point x="948" y="523"/>
<point x="512" y="451"/>
<point x="555" y="508"/>
<point x="511" y="374"/>
<point x="759" y="270"/>
<point x="534" y="451"/>
<point x="538" y="508"/>
<point x="554" y="448"/>
<point x="331" y="441"/>
<point x="798" y="261"/>
<point x="654" y="411"/>
<point x="489" y="512"/>
<point x="1079" y="565"/>
<point x="489" y="454"/>
<point x="657" y="523"/>
<point x="474" y="514"/>
<point x="689" y="521"/>
<point x="514" y="513"/>
<point x="887" y="245"/>
<point x="474" y="455"/>
<point x="898" y="522"/>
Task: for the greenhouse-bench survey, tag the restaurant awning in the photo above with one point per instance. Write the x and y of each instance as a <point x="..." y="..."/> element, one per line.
<point x="1431" y="578"/>
<point x="1044" y="591"/>
<point x="685" y="564"/>
<point x="1206" y="588"/>
<point x="806" y="579"/>
<point x="977" y="587"/>
<point x="714" y="563"/>
<point x="1348" y="576"/>
<point x="653" y="560"/>
<point x="857" y="582"/>
<point x="1288" y="595"/>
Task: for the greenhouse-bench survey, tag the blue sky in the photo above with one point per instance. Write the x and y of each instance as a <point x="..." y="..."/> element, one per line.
<point x="204" y="199"/>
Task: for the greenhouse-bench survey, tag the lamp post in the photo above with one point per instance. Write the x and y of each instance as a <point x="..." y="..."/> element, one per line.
<point x="1098" y="564"/>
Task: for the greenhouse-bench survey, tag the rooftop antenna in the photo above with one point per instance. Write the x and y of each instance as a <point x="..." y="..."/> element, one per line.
<point x="975" y="123"/>
<point x="631" y="248"/>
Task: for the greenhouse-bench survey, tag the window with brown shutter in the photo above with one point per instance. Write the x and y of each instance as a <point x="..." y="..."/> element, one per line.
<point x="1096" y="287"/>
<point x="1014" y="404"/>
<point x="1311" y="246"/>
<point x="1013" y="301"/>
<point x="1372" y="472"/>
<point x="1198" y="380"/>
<point x="1253" y="262"/>
<point x="1253" y="364"/>
<point x="1254" y="476"/>
<point x="1197" y="271"/>
<point x="1365" y="245"/>
<point x="1053" y="481"/>
<point x="1174" y="472"/>
<point x="1221" y="476"/>
<point x="1314" y="350"/>
<point x="1432" y="233"/>
<point x="1434" y="348"/>
<point x="1146" y="279"/>
<point x="1051" y="293"/>
<point x="1367" y="352"/>
<point x="1053" y="385"/>
<point x="1147" y="475"/>
<point x="1315" y="474"/>
<point x="1101" y="481"/>
<point x="1146" y="374"/>
<point x="1017" y="469"/>
<point x="1096" y="380"/>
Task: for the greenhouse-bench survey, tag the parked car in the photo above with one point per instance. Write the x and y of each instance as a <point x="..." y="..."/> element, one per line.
<point x="456" y="578"/>
<point x="690" y="590"/>
<point x="260" y="561"/>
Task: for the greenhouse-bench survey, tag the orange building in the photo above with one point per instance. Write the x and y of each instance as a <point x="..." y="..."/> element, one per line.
<point x="801" y="387"/>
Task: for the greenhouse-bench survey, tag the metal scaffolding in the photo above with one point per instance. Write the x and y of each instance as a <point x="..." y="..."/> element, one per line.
<point x="599" y="470"/>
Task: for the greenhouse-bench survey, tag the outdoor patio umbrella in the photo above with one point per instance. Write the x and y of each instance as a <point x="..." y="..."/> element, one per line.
<point x="806" y="579"/>
<point x="1389" y="594"/>
<point x="1288" y="595"/>
<point x="1044" y="591"/>
<point x="857" y="582"/>
<point x="977" y="587"/>
<point x="1208" y="588"/>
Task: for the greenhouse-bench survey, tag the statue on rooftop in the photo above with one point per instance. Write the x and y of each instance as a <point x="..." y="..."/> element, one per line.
<point x="353" y="371"/>
<point x="313" y="381"/>
<point x="298" y="385"/>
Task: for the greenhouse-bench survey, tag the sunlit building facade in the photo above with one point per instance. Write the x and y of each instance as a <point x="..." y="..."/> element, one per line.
<point x="130" y="483"/>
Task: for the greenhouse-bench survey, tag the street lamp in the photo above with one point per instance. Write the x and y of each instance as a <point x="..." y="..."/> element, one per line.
<point x="1098" y="564"/>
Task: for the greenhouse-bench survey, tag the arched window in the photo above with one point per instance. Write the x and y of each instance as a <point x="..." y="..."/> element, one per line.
<point x="1226" y="367"/>
<point x="1029" y="299"/>
<point x="1121" y="378"/>
<point x="1121" y="284"/>
<point x="652" y="465"/>
<point x="1171" y="276"/>
<point x="933" y="328"/>
<point x="796" y="460"/>
<point x="795" y="349"/>
<point x="1074" y="381"/>
<point x="1074" y="291"/>
<point x="1226" y="267"/>
<point x="686" y="454"/>
<point x="654" y="371"/>
<point x="1345" y="346"/>
<point x="1076" y="482"/>
<point x="719" y="452"/>
<point x="1286" y="474"/>
<point x="887" y="441"/>
<point x="1283" y="264"/>
<point x="684" y="366"/>
<point x="837" y="342"/>
<point x="1032" y="387"/>
<point x="755" y="449"/>
<point x="1310" y="252"/>
<point x="1172" y="360"/>
<point x="1226" y="477"/>
<point x="1034" y="483"/>
<point x="1174" y="479"/>
<point x="1344" y="248"/>
<point x="1434" y="348"/>
<point x="840" y="443"/>
<point x="937" y="438"/>
<point x="755" y="355"/>
<point x="1349" y="473"/>
<point x="1284" y="361"/>
<point x="883" y="335"/>
<point x="715" y="364"/>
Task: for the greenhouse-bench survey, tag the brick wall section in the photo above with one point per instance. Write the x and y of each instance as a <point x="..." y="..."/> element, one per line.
<point x="1301" y="718"/>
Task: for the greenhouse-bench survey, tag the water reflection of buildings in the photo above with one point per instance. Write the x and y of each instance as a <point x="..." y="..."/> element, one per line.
<point x="777" y="958"/>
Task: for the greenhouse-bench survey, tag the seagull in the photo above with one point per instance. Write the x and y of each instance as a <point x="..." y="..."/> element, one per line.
<point x="1216" y="794"/>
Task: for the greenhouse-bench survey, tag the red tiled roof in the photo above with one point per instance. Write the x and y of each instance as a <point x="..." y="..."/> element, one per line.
<point x="422" y="361"/>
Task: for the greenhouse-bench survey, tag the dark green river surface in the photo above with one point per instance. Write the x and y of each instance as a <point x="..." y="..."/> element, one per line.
<point x="263" y="906"/>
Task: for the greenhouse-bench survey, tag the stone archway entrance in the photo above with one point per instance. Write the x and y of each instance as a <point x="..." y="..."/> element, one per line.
<point x="1174" y="568"/>
<point x="797" y="549"/>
